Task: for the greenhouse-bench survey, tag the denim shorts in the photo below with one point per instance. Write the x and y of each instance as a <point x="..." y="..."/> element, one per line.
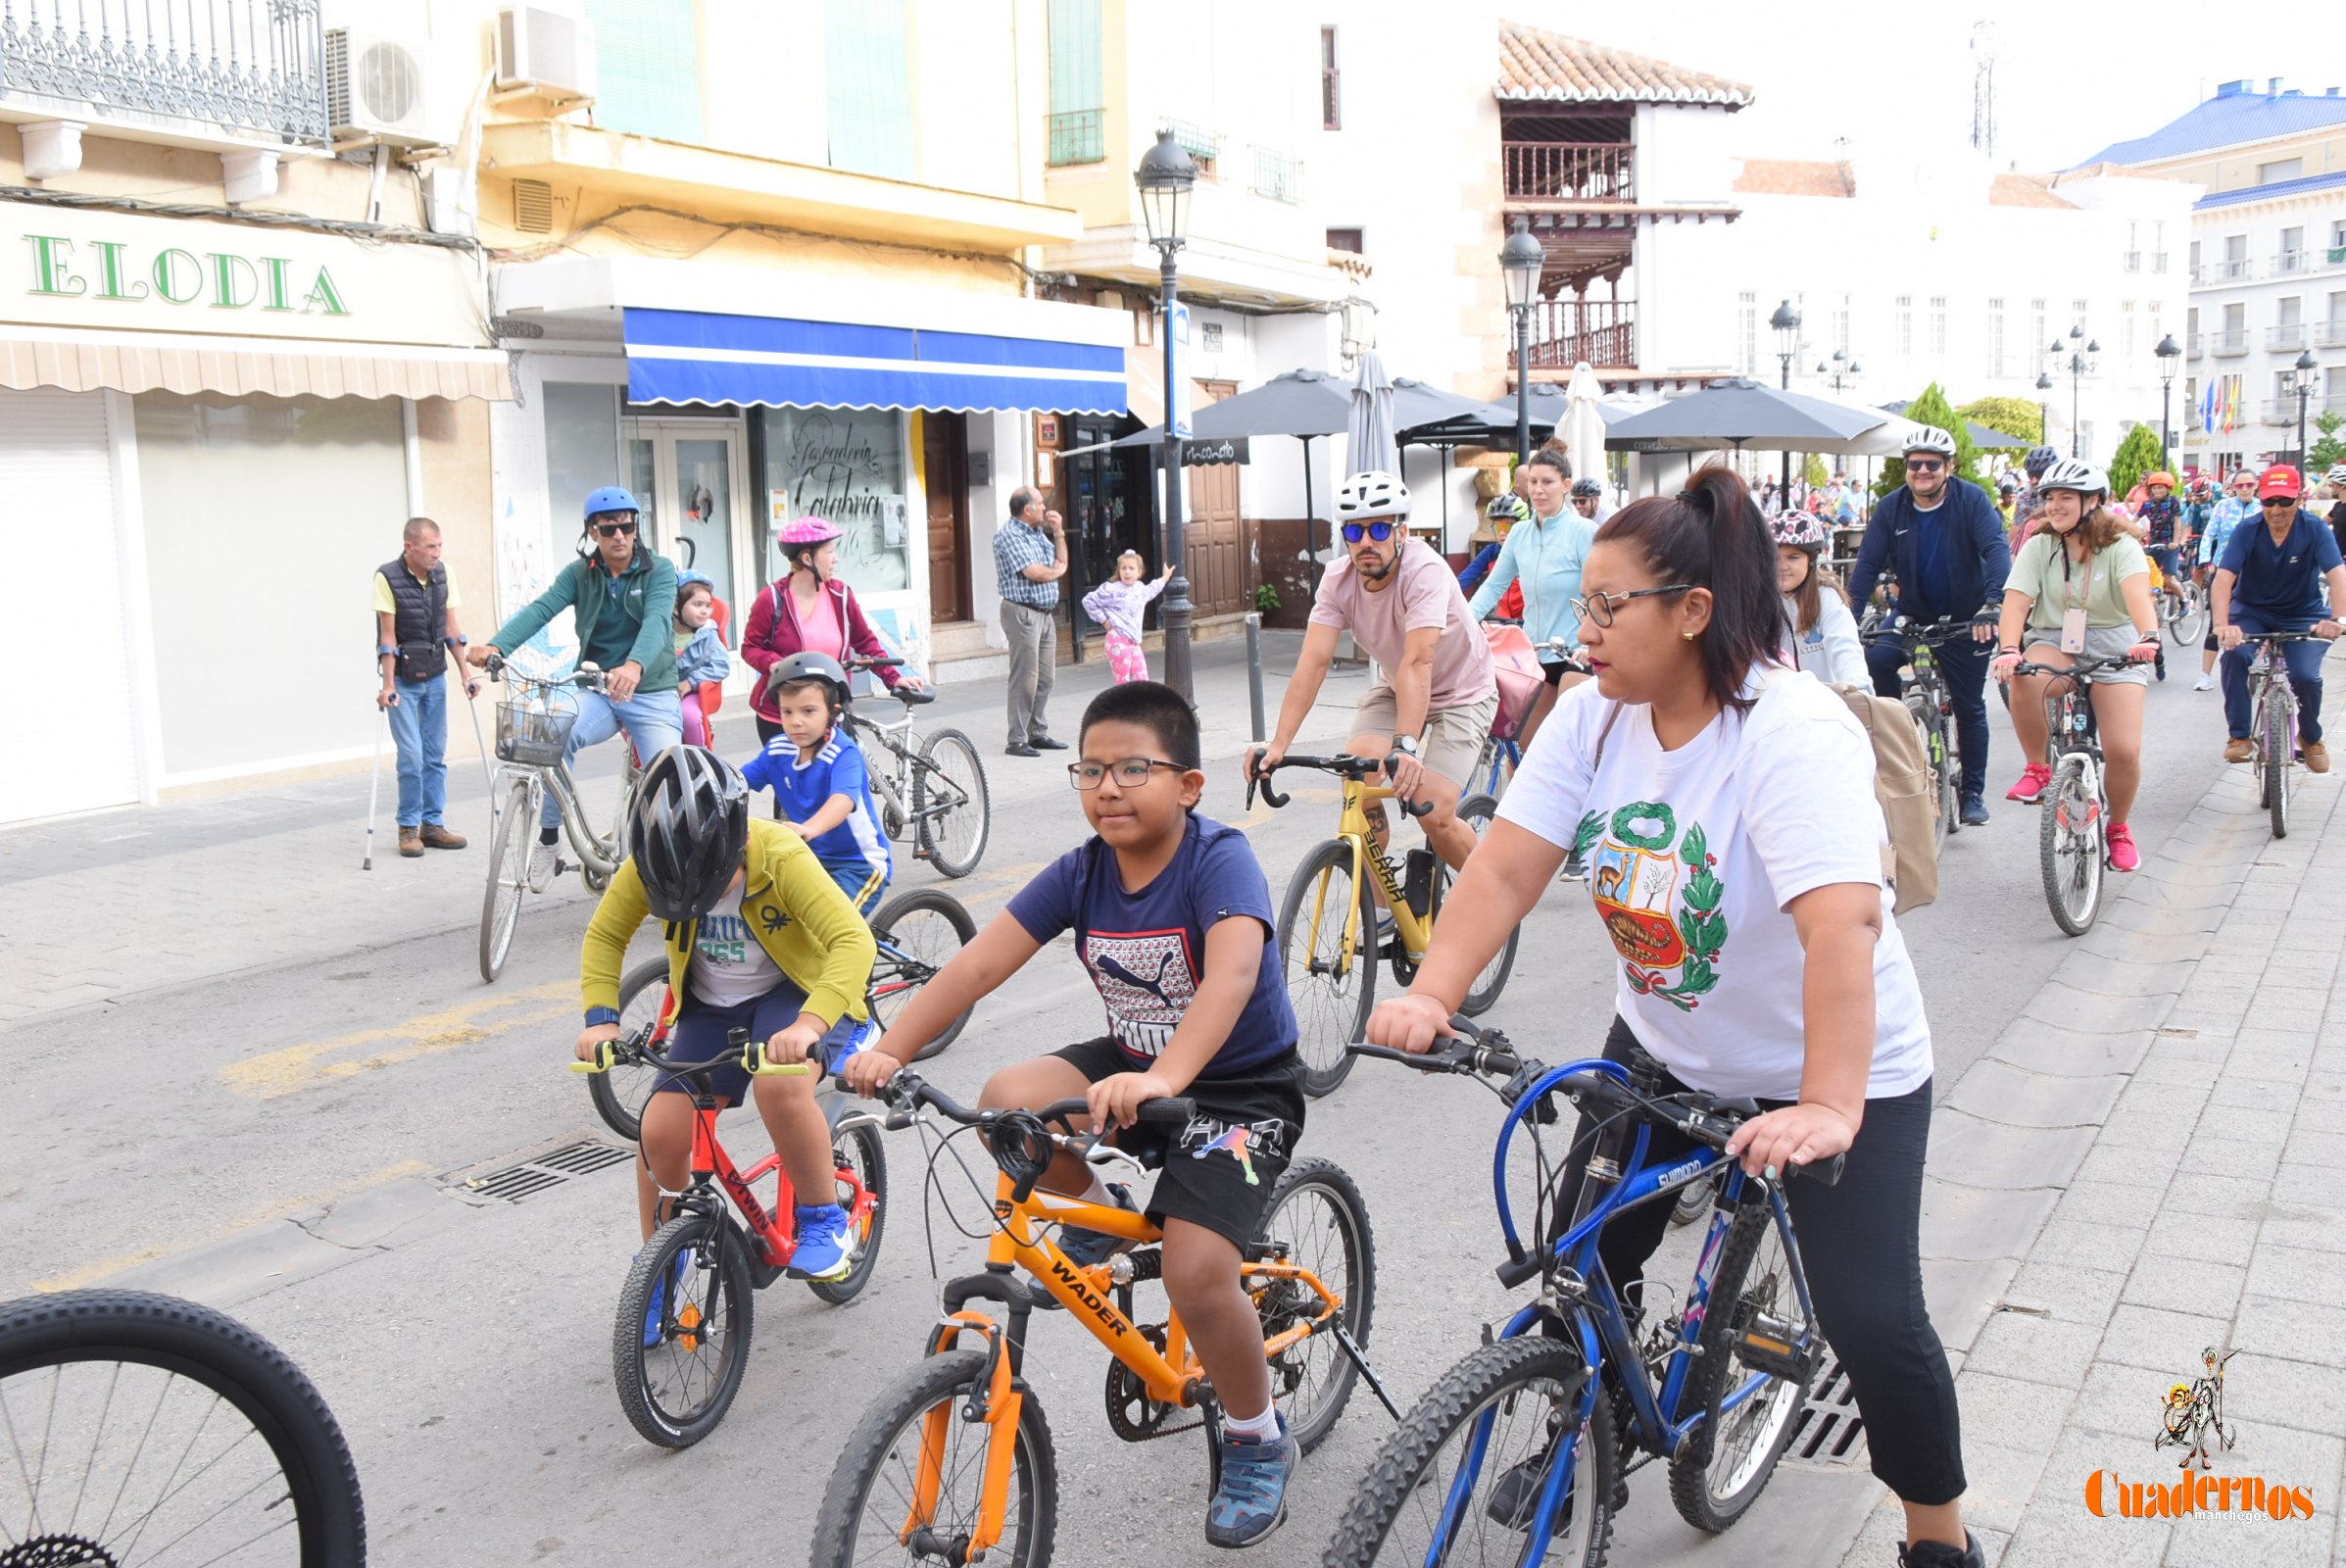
<point x="701" y="1034"/>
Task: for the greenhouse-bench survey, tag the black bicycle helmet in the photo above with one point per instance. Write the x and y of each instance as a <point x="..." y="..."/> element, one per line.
<point x="687" y="829"/>
<point x="811" y="667"/>
<point x="2039" y="459"/>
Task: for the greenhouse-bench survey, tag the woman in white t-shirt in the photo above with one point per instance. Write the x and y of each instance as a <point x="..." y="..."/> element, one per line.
<point x="1706" y="800"/>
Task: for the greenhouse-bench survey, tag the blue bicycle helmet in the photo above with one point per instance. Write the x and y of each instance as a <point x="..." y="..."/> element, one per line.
<point x="610" y="498"/>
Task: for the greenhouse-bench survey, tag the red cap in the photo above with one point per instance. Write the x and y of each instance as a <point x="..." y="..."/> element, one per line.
<point x="2280" y="480"/>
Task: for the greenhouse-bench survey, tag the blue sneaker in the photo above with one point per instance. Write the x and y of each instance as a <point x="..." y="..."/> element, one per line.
<point x="671" y="1282"/>
<point x="822" y="1248"/>
<point x="1252" y="1500"/>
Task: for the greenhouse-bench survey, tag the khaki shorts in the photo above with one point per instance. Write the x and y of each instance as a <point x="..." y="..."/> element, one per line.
<point x="1454" y="736"/>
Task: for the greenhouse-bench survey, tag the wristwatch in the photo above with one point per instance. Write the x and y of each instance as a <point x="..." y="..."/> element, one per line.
<point x="1407" y="744"/>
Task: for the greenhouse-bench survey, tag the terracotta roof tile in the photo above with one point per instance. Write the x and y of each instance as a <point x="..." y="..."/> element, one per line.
<point x="1791" y="176"/>
<point x="2025" y="190"/>
<point x="1540" y="66"/>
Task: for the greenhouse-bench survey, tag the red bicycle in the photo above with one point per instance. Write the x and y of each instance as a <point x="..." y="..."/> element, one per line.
<point x="682" y="1339"/>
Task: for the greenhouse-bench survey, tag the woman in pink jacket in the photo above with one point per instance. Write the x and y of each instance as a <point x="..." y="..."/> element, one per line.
<point x="810" y="611"/>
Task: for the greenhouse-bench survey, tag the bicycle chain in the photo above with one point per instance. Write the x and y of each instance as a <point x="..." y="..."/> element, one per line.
<point x="1132" y="1414"/>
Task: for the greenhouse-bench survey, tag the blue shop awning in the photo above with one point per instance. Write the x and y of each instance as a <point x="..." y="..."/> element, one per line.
<point x="696" y="357"/>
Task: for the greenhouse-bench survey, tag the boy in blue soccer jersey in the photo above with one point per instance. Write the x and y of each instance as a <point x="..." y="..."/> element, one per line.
<point x="1172" y="920"/>
<point x="816" y="769"/>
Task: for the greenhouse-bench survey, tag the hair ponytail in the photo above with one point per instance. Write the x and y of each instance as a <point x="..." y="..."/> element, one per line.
<point x="1711" y="535"/>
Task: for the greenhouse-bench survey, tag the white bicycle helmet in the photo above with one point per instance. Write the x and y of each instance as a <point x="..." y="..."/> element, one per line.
<point x="2075" y="474"/>
<point x="1931" y="438"/>
<point x="1372" y="493"/>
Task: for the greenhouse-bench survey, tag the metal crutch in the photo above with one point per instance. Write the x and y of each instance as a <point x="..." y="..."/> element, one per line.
<point x="488" y="773"/>
<point x="375" y="780"/>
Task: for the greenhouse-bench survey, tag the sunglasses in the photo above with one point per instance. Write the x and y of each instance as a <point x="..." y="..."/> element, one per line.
<point x="610" y="529"/>
<point x="1131" y="773"/>
<point x="1599" y="608"/>
<point x="1379" y="531"/>
<point x="2271" y="502"/>
<point x="1923" y="464"/>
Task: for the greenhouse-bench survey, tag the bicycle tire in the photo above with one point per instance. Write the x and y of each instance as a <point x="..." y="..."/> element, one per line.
<point x="1312" y="1380"/>
<point x="891" y="1430"/>
<point x="2185" y="616"/>
<point x="1480" y="810"/>
<point x="902" y="920"/>
<point x="1924" y="719"/>
<point x="508" y="879"/>
<point x="2068" y="851"/>
<point x="939" y="835"/>
<point x="859" y="1150"/>
<point x="620" y="1095"/>
<point x="1739" y="1293"/>
<point x="711" y="1292"/>
<point x="179" y="1340"/>
<point x="1501" y="1379"/>
<point x="1325" y="1019"/>
<point x="2280" y="746"/>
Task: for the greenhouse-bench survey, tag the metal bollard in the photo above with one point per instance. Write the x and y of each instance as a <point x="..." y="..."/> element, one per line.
<point x="1254" y="670"/>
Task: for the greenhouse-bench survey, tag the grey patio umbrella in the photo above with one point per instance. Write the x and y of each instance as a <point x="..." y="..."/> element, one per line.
<point x="1368" y="422"/>
<point x="1740" y="412"/>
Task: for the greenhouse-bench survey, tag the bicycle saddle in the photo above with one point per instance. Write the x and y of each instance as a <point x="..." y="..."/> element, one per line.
<point x="910" y="698"/>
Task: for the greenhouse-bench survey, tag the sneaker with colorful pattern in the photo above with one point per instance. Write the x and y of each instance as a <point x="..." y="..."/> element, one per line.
<point x="1252" y="1500"/>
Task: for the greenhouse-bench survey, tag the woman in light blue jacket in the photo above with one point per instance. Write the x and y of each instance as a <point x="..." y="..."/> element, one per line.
<point x="1545" y="555"/>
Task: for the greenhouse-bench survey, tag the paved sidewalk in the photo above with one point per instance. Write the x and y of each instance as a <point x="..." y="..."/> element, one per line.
<point x="2141" y="1167"/>
<point x="95" y="909"/>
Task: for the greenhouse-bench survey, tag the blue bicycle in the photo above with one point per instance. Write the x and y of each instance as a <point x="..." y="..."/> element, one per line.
<point x="1521" y="1452"/>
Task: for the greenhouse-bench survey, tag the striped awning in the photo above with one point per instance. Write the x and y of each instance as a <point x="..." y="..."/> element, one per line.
<point x="698" y="356"/>
<point x="32" y="357"/>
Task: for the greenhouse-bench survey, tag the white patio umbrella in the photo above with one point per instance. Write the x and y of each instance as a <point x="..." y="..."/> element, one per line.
<point x="1583" y="425"/>
<point x="1369" y="425"/>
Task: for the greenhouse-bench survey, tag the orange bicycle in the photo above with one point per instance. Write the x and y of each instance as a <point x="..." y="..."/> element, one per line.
<point x="954" y="1464"/>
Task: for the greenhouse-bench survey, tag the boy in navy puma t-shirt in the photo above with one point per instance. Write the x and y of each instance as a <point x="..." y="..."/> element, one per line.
<point x="1172" y="920"/>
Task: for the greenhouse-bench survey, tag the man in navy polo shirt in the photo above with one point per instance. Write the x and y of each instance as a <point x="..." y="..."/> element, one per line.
<point x="2271" y="580"/>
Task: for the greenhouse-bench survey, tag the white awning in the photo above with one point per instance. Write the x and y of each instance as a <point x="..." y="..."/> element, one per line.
<point x="34" y="356"/>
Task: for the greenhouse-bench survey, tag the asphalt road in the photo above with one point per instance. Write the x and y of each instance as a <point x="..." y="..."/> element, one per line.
<point x="291" y="1145"/>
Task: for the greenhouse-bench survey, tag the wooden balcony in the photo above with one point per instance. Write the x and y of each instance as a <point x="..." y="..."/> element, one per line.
<point x="1565" y="332"/>
<point x="1569" y="172"/>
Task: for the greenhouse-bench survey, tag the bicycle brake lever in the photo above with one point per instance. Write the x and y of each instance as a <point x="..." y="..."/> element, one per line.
<point x="1109" y="1154"/>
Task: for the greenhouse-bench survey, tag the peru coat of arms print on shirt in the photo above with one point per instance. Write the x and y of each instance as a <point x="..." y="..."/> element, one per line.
<point x="1658" y="893"/>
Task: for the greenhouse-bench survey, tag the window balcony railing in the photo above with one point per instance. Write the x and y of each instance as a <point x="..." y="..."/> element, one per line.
<point x="1569" y="172"/>
<point x="1278" y="176"/>
<point x="1330" y="98"/>
<point x="1078" y="136"/>
<point x="1565" y="332"/>
<point x="2288" y="262"/>
<point x="245" y="68"/>
<point x="2282" y="410"/>
<point x="2287" y="335"/>
<point x="2133" y="261"/>
<point x="2330" y="334"/>
<point x="1203" y="146"/>
<point x="2228" y="344"/>
<point x="2158" y="260"/>
<point x="2232" y="270"/>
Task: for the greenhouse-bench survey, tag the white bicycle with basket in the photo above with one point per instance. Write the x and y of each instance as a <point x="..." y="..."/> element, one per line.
<point x="533" y="731"/>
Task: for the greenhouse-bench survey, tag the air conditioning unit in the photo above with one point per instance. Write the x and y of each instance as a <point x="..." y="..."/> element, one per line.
<point x="375" y="89"/>
<point x="546" y="51"/>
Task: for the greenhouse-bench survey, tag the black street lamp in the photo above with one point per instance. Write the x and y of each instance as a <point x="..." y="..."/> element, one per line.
<point x="1165" y="178"/>
<point x="1786" y="322"/>
<point x="2081" y="362"/>
<point x="2044" y="408"/>
<point x="2168" y="351"/>
<point x="2302" y="374"/>
<point x="1522" y="260"/>
<point x="1842" y="370"/>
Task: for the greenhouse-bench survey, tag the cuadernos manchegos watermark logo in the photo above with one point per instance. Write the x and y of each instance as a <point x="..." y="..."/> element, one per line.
<point x="2191" y="1418"/>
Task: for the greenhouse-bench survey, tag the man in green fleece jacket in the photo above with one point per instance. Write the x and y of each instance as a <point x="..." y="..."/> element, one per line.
<point x="623" y="597"/>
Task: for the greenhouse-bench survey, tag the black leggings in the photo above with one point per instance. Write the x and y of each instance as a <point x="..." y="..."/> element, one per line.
<point x="1860" y="1246"/>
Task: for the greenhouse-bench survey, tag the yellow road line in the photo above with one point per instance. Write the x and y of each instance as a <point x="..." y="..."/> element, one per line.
<point x="276" y="1073"/>
<point x="106" y="1268"/>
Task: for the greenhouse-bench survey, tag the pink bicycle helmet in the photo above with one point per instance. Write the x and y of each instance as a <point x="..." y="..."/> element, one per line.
<point x="806" y="531"/>
<point x="1803" y="530"/>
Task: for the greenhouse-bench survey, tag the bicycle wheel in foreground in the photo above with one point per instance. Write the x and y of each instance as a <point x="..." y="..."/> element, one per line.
<point x="914" y="1442"/>
<point x="857" y="1154"/>
<point x="1945" y="807"/>
<point x="508" y="879"/>
<point x="949" y="802"/>
<point x="1479" y="811"/>
<point x="1331" y="991"/>
<point x="2068" y="848"/>
<point x="918" y="933"/>
<point x="142" y="1429"/>
<point x="2280" y="746"/>
<point x="1318" y="1215"/>
<point x="1754" y="1311"/>
<point x="696" y="1316"/>
<point x="1462" y="1480"/>
<point x="619" y="1095"/>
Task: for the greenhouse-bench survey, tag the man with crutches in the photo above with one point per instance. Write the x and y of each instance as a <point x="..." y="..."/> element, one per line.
<point x="416" y="627"/>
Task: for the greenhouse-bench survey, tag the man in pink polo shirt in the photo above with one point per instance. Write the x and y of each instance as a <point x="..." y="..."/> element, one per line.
<point x="1434" y="696"/>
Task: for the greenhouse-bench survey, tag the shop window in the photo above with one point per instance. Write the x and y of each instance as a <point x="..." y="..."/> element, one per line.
<point x="582" y="455"/>
<point x="648" y="67"/>
<point x="845" y="464"/>
<point x="869" y="77"/>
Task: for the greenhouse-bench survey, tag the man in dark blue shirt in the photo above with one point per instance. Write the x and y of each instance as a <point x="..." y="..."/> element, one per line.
<point x="2271" y="580"/>
<point x="1944" y="541"/>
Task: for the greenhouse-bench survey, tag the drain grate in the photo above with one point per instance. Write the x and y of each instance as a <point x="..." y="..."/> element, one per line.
<point x="516" y="1182"/>
<point x="1830" y="1431"/>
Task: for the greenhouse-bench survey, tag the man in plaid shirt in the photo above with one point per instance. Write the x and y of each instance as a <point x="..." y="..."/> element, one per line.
<point x="1030" y="557"/>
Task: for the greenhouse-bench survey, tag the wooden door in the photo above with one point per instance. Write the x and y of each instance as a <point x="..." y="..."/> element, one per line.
<point x="1216" y="559"/>
<point x="944" y="473"/>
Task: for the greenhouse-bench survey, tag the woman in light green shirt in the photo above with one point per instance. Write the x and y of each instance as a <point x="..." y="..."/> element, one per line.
<point x="2084" y="561"/>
